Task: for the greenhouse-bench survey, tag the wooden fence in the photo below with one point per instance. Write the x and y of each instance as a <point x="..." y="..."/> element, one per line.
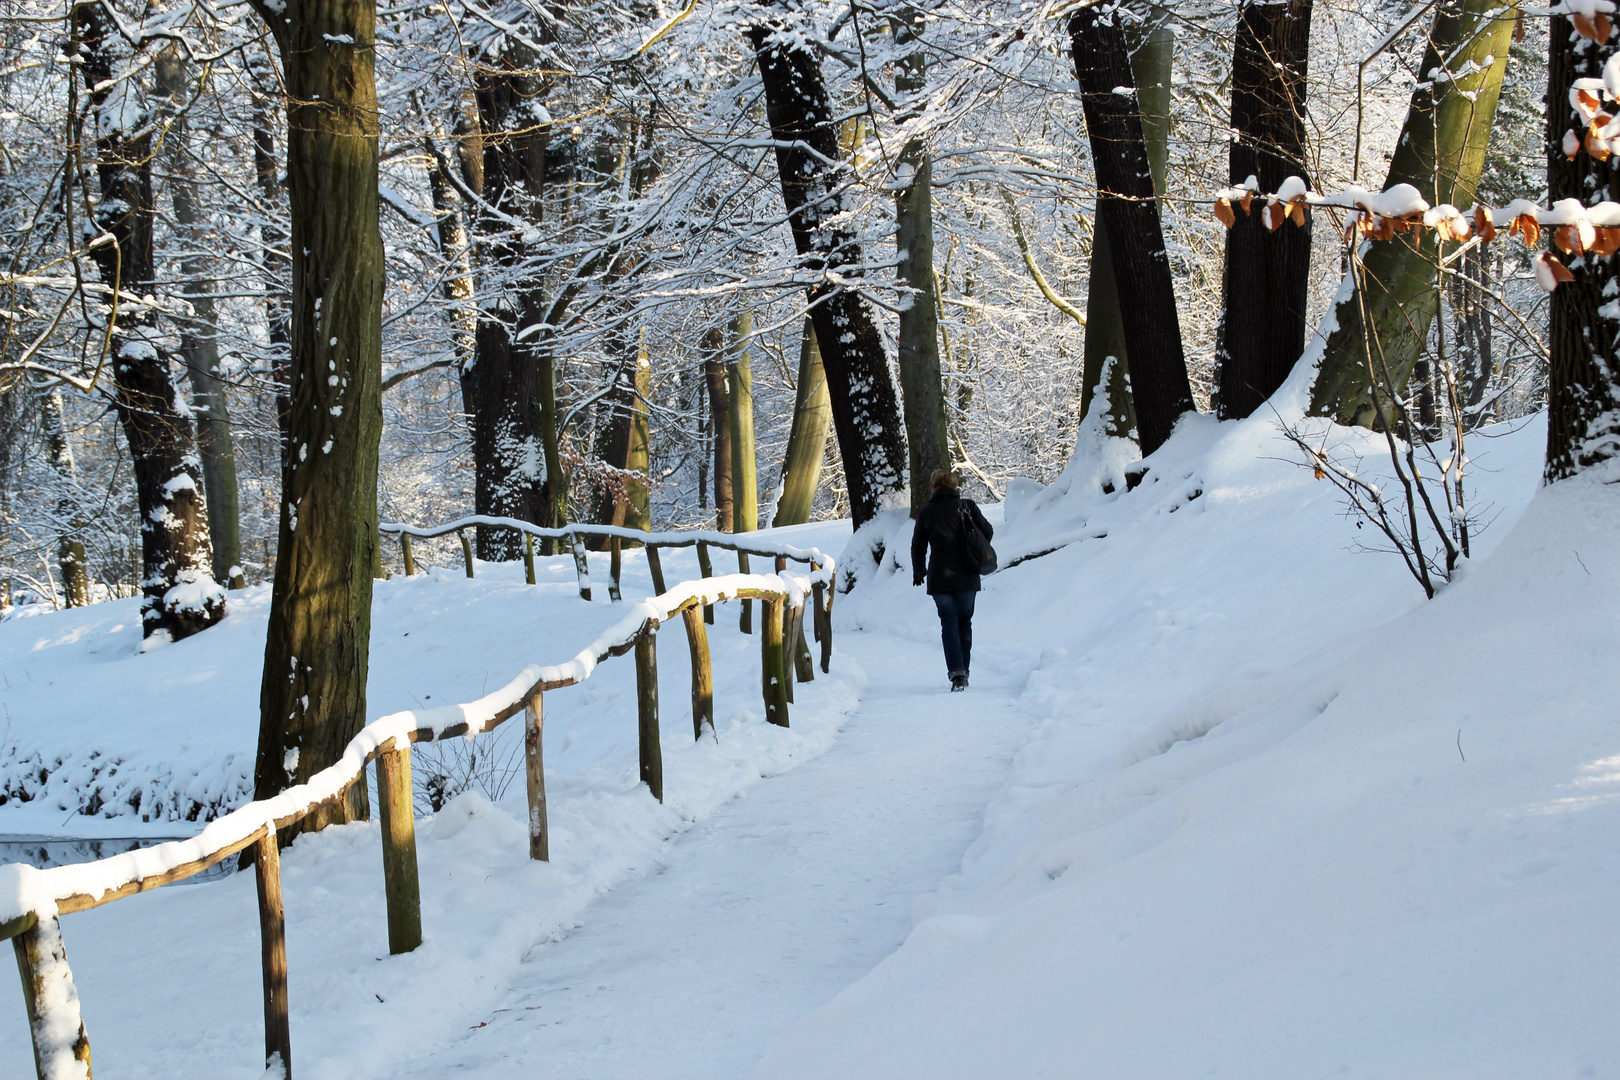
<point x="33" y="900"/>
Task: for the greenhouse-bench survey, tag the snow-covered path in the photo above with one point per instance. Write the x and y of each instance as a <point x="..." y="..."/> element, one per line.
<point x="774" y="903"/>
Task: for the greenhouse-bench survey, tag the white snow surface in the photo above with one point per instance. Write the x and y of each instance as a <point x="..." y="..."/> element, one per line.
<point x="1227" y="797"/>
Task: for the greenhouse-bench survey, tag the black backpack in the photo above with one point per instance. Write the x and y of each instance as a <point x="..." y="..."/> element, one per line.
<point x="975" y="548"/>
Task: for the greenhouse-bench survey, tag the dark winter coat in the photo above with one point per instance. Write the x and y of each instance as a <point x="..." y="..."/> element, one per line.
<point x="940" y="526"/>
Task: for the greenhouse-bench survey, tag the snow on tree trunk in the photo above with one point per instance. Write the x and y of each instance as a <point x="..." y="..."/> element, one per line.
<point x="179" y="594"/>
<point x="866" y="408"/>
<point x="1262" y="330"/>
<point x="1126" y="208"/>
<point x="1583" y="382"/>
<point x="312" y="699"/>
<point x="1440" y="152"/>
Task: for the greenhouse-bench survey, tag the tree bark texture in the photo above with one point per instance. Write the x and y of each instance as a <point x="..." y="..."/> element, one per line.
<point x="199" y="340"/>
<point x="918" y="341"/>
<point x="179" y="594"/>
<point x="1262" y="328"/>
<point x="1127" y="209"/>
<point x="70" y="555"/>
<point x="1440" y="152"/>
<point x="807" y="441"/>
<point x="312" y="699"/>
<point x="455" y="240"/>
<point x="714" y="376"/>
<point x="273" y="258"/>
<point x="508" y="449"/>
<point x="1152" y="48"/>
<point x="740" y="421"/>
<point x="866" y="409"/>
<point x="1583" y="379"/>
<point x="638" y="485"/>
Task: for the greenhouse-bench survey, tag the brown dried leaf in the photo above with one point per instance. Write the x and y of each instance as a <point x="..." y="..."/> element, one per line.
<point x="1297" y="211"/>
<point x="1604" y="28"/>
<point x="1584" y="25"/>
<point x="1272" y="215"/>
<point x="1550" y="273"/>
<point x="1567" y="239"/>
<point x="1223" y="212"/>
<point x="1606" y="243"/>
<point x="1483" y="225"/>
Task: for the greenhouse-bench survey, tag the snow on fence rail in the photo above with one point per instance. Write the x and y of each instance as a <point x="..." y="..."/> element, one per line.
<point x="32" y="900"/>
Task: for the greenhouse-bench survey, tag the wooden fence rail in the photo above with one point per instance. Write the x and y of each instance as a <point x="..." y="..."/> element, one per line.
<point x="33" y="900"/>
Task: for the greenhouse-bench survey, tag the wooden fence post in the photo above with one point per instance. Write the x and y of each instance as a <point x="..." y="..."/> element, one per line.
<point x="781" y="563"/>
<point x="534" y="770"/>
<point x="582" y="568"/>
<point x="401" y="883"/>
<point x="42" y="963"/>
<point x="652" y="758"/>
<point x="706" y="570"/>
<point x="528" y="557"/>
<point x="804" y="667"/>
<point x="405" y="549"/>
<point x="466" y="550"/>
<point x="697" y="638"/>
<point x="823" y="617"/>
<point x="770" y="662"/>
<point x="615" y="546"/>
<point x="273" y="954"/>
<point x="746" y="622"/>
<point x="655" y="566"/>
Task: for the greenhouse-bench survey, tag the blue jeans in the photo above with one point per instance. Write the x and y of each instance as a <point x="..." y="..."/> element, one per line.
<point x="956" y="629"/>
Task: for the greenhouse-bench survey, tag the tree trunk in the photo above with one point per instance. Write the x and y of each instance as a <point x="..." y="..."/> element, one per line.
<point x="1471" y="307"/>
<point x="918" y="344"/>
<point x="455" y="242"/>
<point x="614" y="414"/>
<point x="714" y="375"/>
<point x="508" y="449"/>
<point x="69" y="548"/>
<point x="179" y="594"/>
<point x="1440" y="152"/>
<point x="1583" y="378"/>
<point x="866" y="411"/>
<point x="740" y="423"/>
<point x="1152" y="49"/>
<point x="807" y="442"/>
<point x="1127" y="210"/>
<point x="312" y="699"/>
<point x="273" y="240"/>
<point x="1263" y="308"/>
<point x="638" y="512"/>
<point x="199" y="337"/>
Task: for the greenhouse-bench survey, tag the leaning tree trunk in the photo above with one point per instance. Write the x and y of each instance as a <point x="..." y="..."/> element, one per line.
<point x="1152" y="47"/>
<point x="866" y="411"/>
<point x="807" y="441"/>
<point x="312" y="700"/>
<point x="1440" y="152"/>
<point x="918" y="339"/>
<point x="179" y="594"/>
<point x="69" y="548"/>
<point x="1127" y="210"/>
<point x="199" y="336"/>
<point x="508" y="446"/>
<point x="1583" y="378"/>
<point x="1263" y="307"/>
<point x="714" y="377"/>
<point x="740" y="424"/>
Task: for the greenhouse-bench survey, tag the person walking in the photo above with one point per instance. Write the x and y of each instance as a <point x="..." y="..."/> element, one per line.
<point x="953" y="578"/>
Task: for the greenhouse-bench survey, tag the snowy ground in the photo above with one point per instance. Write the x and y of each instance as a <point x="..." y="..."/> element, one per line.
<point x="1227" y="798"/>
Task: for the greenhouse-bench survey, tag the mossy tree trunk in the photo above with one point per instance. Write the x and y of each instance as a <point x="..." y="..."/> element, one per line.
<point x="1127" y="209"/>
<point x="1267" y="274"/>
<point x="1583" y="379"/>
<point x="313" y="697"/>
<point x="1440" y="152"/>
<point x="807" y="441"/>
<point x="740" y="423"/>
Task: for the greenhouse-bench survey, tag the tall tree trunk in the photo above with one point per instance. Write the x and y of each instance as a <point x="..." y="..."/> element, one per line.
<point x="638" y="486"/>
<point x="866" y="411"/>
<point x="508" y="448"/>
<point x="1440" y="152"/>
<point x="740" y="423"/>
<point x="918" y="344"/>
<point x="1263" y="307"/>
<point x="714" y="376"/>
<point x="1127" y="210"/>
<point x="273" y="241"/>
<point x="455" y="239"/>
<point x="199" y="337"/>
<point x="1470" y="304"/>
<point x="1152" y="48"/>
<point x="807" y="441"/>
<point x="312" y="700"/>
<point x="614" y="413"/>
<point x="69" y="548"/>
<point x="179" y="594"/>
<point x="1583" y="379"/>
